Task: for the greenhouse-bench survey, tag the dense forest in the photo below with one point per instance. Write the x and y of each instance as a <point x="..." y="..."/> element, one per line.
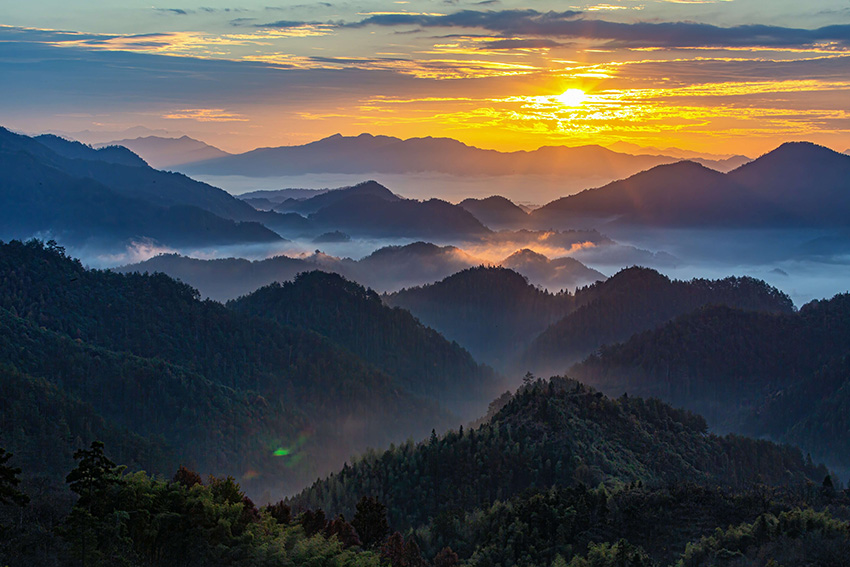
<point x="774" y="375"/>
<point x="638" y="299"/>
<point x="142" y="426"/>
<point x="504" y="320"/>
<point x="389" y="338"/>
<point x="556" y="432"/>
<point x="518" y="490"/>
<point x="221" y="389"/>
<point x="695" y="500"/>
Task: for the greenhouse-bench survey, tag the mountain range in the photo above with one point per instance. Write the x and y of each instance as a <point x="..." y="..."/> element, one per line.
<point x="78" y="194"/>
<point x="637" y="299"/>
<point x="505" y="321"/>
<point x="162" y="153"/>
<point x="386" y="269"/>
<point x="286" y="383"/>
<point x="366" y="154"/>
<point x="797" y="184"/>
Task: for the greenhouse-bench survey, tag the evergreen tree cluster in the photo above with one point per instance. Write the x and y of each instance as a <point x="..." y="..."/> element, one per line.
<point x="777" y="375"/>
<point x="555" y="433"/>
<point x="391" y="339"/>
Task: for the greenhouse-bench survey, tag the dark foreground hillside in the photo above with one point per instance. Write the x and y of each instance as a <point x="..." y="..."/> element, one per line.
<point x="515" y="490"/>
<point x="195" y="382"/>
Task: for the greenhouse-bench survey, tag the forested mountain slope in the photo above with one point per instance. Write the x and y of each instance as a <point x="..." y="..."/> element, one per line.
<point x="767" y="374"/>
<point x="348" y="314"/>
<point x="491" y="311"/>
<point x="554" y="433"/>
<point x="637" y="299"/>
<point x="217" y="385"/>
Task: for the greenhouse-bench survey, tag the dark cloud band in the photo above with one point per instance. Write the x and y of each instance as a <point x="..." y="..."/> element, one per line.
<point x="569" y="24"/>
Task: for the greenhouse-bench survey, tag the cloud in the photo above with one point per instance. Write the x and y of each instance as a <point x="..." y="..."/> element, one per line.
<point x="531" y="23"/>
<point x="205" y="9"/>
<point x="175" y="11"/>
<point x="205" y="115"/>
<point x="285" y="24"/>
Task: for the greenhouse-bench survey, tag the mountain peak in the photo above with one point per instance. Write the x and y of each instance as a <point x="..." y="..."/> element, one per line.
<point x="788" y="153"/>
<point x="525" y="255"/>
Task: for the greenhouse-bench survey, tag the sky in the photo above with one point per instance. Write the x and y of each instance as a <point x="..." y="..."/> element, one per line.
<point x="716" y="76"/>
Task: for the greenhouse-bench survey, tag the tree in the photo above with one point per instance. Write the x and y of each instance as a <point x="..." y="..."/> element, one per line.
<point x="827" y="489"/>
<point x="9" y="480"/>
<point x="344" y="532"/>
<point x="187" y="477"/>
<point x="92" y="528"/>
<point x="280" y="512"/>
<point x="313" y="522"/>
<point x="446" y="558"/>
<point x="93" y="475"/>
<point x="393" y="551"/>
<point x="412" y="555"/>
<point x="370" y="521"/>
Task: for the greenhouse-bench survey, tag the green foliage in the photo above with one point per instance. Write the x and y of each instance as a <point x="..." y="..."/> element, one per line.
<point x="780" y="375"/>
<point x="796" y="537"/>
<point x="140" y="521"/>
<point x="370" y="521"/>
<point x="620" y="554"/>
<point x="93" y="475"/>
<point x="187" y="377"/>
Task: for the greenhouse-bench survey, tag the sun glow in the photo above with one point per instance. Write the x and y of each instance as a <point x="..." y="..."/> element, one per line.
<point x="572" y="97"/>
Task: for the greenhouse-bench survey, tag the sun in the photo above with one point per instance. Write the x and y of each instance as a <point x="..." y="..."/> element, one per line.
<point x="571" y="97"/>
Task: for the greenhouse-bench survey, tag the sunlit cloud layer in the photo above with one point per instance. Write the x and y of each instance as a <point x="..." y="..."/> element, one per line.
<point x="692" y="73"/>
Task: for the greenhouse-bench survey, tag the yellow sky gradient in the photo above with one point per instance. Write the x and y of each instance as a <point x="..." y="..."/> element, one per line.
<point x="709" y="76"/>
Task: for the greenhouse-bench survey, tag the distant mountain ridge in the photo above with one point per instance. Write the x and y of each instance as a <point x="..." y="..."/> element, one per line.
<point x="315" y="203"/>
<point x="367" y="153"/>
<point x="162" y="152"/>
<point x="797" y="184"/>
<point x="496" y="212"/>
<point x="76" y="193"/>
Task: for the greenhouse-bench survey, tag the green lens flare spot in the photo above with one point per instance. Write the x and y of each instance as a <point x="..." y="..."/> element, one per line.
<point x="281" y="452"/>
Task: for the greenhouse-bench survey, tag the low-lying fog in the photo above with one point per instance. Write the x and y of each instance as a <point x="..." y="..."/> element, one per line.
<point x="806" y="264"/>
